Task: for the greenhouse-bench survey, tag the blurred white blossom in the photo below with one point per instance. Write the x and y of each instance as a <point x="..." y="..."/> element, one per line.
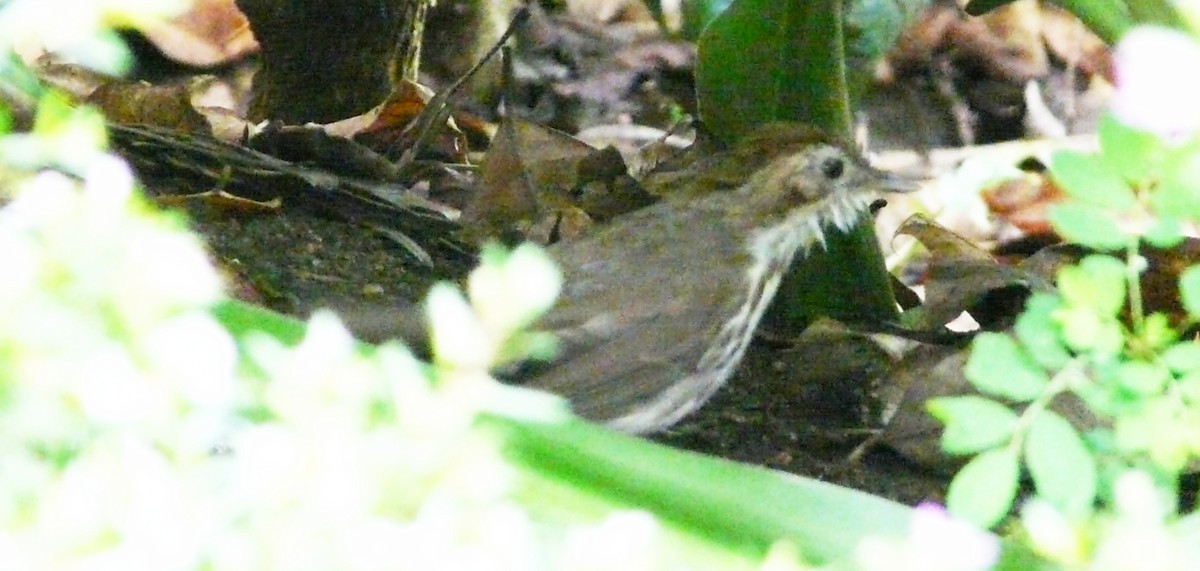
<point x="117" y="380"/>
<point x="79" y="30"/>
<point x="935" y="542"/>
<point x="1157" y="89"/>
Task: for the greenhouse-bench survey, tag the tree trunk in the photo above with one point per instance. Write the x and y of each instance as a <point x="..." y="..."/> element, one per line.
<point x="325" y="60"/>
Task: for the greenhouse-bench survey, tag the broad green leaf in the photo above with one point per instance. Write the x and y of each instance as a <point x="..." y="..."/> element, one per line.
<point x="1096" y="283"/>
<point x="699" y="13"/>
<point x="1039" y="333"/>
<point x="981" y="7"/>
<point x="744" y="507"/>
<point x="1108" y="19"/>
<point x="1157" y="12"/>
<point x="1087" y="225"/>
<point x="1062" y="468"/>
<point x="997" y="366"/>
<point x="1189" y="291"/>
<point x="772" y="60"/>
<point x="1092" y="179"/>
<point x="973" y="423"/>
<point x="847" y="281"/>
<point x="1132" y="154"/>
<point x="983" y="491"/>
<point x="242" y="319"/>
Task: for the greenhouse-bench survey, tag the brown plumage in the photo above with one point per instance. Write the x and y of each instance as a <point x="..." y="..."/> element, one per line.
<point x="659" y="305"/>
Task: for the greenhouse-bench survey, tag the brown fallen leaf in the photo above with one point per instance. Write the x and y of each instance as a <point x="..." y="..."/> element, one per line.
<point x="962" y="277"/>
<point x="210" y="33"/>
<point x="390" y="127"/>
<point x="217" y="199"/>
<point x="140" y="103"/>
<point x="1024" y="202"/>
<point x="544" y="185"/>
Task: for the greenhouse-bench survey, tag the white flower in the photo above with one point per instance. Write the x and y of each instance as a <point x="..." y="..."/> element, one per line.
<point x="1154" y="93"/>
<point x="935" y="542"/>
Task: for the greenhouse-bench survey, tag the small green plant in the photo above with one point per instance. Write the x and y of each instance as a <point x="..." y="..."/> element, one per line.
<point x="1101" y="488"/>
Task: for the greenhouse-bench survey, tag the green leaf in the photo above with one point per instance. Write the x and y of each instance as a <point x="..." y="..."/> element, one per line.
<point x="973" y="423"/>
<point x="243" y="319"/>
<point x="1165" y="232"/>
<point x="1040" y="333"/>
<point x="872" y="27"/>
<point x="817" y="285"/>
<point x="1178" y="192"/>
<point x="771" y="60"/>
<point x="1092" y="179"/>
<point x="1189" y="291"/>
<point x="1084" y="330"/>
<point x="1158" y="12"/>
<point x="746" y="507"/>
<point x="983" y="491"/>
<point x="981" y="7"/>
<point x="1087" y="225"/>
<point x="1097" y="283"/>
<point x="1063" y="469"/>
<point x="997" y="366"/>
<point x="1108" y="19"/>
<point x="1162" y="427"/>
<point x="1134" y="155"/>
<point x="1183" y="357"/>
<point x="1156" y="331"/>
<point x="698" y="14"/>
<point x="1188" y="386"/>
<point x="1142" y="378"/>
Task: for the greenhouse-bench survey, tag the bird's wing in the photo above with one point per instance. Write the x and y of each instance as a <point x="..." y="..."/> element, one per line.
<point x="631" y="330"/>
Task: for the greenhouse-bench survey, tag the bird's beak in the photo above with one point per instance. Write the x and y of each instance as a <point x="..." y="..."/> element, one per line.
<point x="889" y="182"/>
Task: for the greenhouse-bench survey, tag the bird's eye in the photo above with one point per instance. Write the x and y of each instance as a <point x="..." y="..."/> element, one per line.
<point x="833" y="168"/>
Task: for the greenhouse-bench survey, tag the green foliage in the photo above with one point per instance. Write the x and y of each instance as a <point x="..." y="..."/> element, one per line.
<point x="983" y="491"/>
<point x="973" y="424"/>
<point x="762" y="60"/>
<point x="1090" y="341"/>
<point x="1088" y="225"/>
<point x="1062" y="468"/>
<point x="999" y="367"/>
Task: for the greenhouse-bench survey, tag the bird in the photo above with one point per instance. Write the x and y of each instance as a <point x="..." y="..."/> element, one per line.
<point x="659" y="305"/>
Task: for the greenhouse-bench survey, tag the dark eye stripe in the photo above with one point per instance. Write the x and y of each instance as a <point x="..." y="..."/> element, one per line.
<point x="833" y="168"/>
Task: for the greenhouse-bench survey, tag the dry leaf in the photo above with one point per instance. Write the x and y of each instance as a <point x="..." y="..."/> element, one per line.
<point x="1024" y="202"/>
<point x="533" y="176"/>
<point x="388" y="128"/>
<point x="131" y="103"/>
<point x="211" y="33"/>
